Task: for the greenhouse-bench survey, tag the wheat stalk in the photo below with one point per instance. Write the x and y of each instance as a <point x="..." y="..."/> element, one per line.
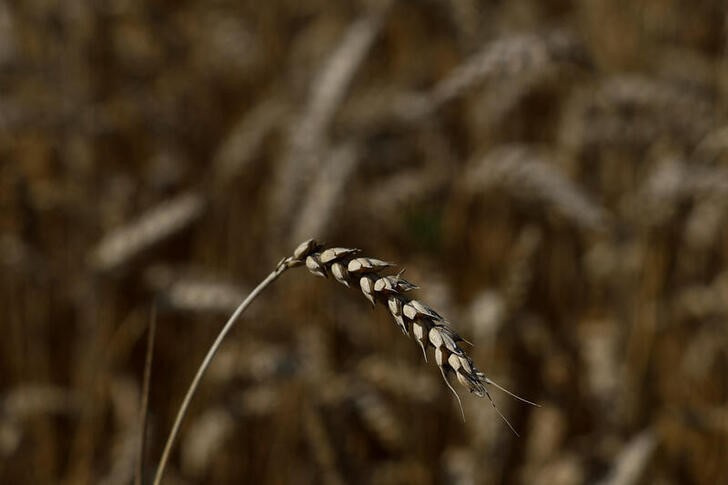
<point x="348" y="267"/>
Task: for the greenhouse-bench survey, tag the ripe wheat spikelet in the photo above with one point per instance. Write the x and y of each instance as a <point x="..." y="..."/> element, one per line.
<point x="429" y="328"/>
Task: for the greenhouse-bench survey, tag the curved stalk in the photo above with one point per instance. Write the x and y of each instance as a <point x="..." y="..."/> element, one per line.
<point x="282" y="266"/>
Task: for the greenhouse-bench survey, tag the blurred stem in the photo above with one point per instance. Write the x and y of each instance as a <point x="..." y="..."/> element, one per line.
<point x="280" y="269"/>
<point x="144" y="407"/>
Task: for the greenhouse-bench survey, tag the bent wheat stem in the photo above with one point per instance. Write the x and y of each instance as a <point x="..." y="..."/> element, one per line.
<point x="280" y="269"/>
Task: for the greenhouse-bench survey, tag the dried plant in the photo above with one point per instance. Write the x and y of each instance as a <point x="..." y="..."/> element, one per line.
<point x="602" y="117"/>
<point x="318" y="208"/>
<point x="127" y="242"/>
<point x="243" y="142"/>
<point x="308" y="133"/>
<point x="525" y="173"/>
<point x="180" y="292"/>
<point x="506" y="58"/>
<point x="350" y="268"/>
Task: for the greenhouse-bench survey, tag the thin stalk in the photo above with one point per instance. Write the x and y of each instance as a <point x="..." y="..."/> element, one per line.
<point x="144" y="407"/>
<point x="282" y="266"/>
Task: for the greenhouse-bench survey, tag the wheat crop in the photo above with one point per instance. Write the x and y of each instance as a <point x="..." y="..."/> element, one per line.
<point x="351" y="269"/>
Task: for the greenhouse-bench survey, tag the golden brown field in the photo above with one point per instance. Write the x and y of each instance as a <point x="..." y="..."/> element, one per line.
<point x="552" y="174"/>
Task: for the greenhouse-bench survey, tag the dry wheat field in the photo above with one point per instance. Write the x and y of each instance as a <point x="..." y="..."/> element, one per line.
<point x="552" y="175"/>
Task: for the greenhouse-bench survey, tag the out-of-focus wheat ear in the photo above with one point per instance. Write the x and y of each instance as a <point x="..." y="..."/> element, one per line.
<point x="520" y="275"/>
<point x="183" y="293"/>
<point x="308" y="132"/>
<point x="244" y="140"/>
<point x="322" y="202"/>
<point x="512" y="56"/>
<point x="313" y="263"/>
<point x="30" y="401"/>
<point x="599" y="116"/>
<point x="379" y="418"/>
<point x="523" y="171"/>
<point x="630" y="464"/>
<point x="155" y="226"/>
<point x="366" y="283"/>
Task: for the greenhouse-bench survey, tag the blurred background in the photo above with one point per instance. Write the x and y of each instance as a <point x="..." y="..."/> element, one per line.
<point x="553" y="174"/>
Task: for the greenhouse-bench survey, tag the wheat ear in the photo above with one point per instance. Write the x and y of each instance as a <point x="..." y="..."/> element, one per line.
<point x="430" y="329"/>
<point x="346" y="265"/>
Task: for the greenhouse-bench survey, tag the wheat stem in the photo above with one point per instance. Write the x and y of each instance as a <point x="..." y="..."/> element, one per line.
<point x="144" y="407"/>
<point x="282" y="266"/>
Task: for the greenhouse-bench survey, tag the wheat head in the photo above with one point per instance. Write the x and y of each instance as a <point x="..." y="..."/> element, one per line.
<point x="412" y="317"/>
